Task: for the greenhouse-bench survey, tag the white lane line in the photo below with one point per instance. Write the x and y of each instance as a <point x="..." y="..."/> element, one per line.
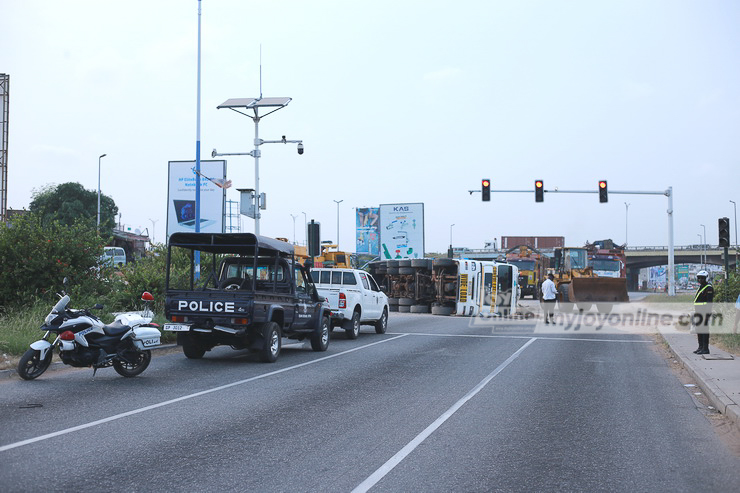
<point x="184" y="398"/>
<point x="486" y="336"/>
<point x="380" y="473"/>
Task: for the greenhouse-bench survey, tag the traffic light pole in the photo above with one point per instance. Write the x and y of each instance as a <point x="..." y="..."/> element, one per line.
<point x="668" y="193"/>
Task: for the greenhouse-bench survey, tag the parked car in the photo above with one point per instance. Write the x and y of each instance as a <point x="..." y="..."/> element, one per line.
<point x="354" y="299"/>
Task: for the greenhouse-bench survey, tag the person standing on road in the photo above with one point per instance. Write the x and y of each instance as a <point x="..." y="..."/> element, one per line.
<point x="703" y="311"/>
<point x="737" y="314"/>
<point x="549" y="295"/>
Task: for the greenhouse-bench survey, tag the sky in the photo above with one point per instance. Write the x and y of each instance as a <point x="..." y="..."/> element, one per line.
<point x="396" y="102"/>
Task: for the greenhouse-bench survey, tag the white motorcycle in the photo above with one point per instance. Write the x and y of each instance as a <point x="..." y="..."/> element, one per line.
<point x="84" y="340"/>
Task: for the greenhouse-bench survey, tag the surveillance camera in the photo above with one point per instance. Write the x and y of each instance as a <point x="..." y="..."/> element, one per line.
<point x="213" y="154"/>
<point x="300" y="148"/>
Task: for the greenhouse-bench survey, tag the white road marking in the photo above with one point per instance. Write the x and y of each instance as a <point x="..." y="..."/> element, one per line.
<point x="184" y="398"/>
<point x="380" y="473"/>
<point x="501" y="336"/>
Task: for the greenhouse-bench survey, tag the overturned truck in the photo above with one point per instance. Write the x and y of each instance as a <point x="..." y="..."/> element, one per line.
<point x="445" y="286"/>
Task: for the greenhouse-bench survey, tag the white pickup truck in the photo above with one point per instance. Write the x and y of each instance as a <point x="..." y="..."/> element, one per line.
<point x="354" y="299"/>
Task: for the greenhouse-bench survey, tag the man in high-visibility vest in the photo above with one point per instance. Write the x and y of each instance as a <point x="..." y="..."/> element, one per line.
<point x="703" y="311"/>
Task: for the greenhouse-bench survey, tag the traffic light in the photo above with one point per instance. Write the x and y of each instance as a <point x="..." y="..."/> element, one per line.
<point x="314" y="239"/>
<point x="724" y="232"/>
<point x="603" y="193"/>
<point x="539" y="191"/>
<point x="485" y="186"/>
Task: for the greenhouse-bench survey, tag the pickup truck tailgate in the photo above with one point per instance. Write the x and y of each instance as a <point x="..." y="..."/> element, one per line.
<point x="331" y="295"/>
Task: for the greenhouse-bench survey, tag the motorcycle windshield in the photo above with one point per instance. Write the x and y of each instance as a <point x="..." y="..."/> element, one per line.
<point x="58" y="308"/>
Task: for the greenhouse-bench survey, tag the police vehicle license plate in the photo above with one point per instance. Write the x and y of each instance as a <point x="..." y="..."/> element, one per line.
<point x="177" y="327"/>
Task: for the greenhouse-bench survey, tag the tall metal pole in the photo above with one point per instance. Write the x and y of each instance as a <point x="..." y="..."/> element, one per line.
<point x="734" y="206"/>
<point x="305" y="229"/>
<point x="294" y="216"/>
<point x="256" y="174"/>
<point x="338" y="202"/>
<point x="99" y="158"/>
<point x="197" y="154"/>
<point x="671" y="270"/>
<point x="704" y="246"/>
<point x="626" y="221"/>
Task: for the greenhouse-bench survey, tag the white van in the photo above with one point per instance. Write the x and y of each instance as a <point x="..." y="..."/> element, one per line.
<point x="114" y="256"/>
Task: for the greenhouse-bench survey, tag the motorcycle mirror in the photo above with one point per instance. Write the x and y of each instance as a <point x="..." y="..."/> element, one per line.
<point x="147" y="296"/>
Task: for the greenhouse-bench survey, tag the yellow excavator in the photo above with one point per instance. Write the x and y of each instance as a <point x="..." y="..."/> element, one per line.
<point x="577" y="283"/>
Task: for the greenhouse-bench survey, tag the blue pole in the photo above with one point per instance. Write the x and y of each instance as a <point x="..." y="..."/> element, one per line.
<point x="197" y="156"/>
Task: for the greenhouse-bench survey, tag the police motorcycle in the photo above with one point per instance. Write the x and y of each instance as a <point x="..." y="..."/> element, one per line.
<point x="84" y="340"/>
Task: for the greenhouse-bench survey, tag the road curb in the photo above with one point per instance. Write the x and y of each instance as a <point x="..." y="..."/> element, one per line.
<point x="57" y="365"/>
<point x="716" y="396"/>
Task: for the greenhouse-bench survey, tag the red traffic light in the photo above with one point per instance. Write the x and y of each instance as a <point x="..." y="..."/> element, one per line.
<point x="602" y="184"/>
<point x="486" y="183"/>
<point x="539" y="192"/>
<point x="538" y="184"/>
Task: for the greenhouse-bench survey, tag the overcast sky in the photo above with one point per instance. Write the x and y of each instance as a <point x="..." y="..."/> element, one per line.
<point x="396" y="101"/>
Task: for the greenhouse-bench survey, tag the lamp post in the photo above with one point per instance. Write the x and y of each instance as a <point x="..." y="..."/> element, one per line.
<point x="338" y="202"/>
<point x="305" y="229"/>
<point x="242" y="106"/>
<point x="451" y="225"/>
<point x="99" y="158"/>
<point x="294" y="216"/>
<point x="154" y="221"/>
<point x="704" y="246"/>
<point x="734" y="206"/>
<point x="626" y="221"/>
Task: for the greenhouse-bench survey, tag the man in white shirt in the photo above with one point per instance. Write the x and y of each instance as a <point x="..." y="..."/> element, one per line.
<point x="549" y="295"/>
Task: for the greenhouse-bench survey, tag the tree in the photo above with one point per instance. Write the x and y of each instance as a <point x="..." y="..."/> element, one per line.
<point x="70" y="202"/>
<point x="34" y="258"/>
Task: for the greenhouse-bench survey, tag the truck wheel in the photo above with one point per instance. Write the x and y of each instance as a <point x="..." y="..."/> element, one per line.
<point x="382" y="324"/>
<point x="404" y="308"/>
<point x="406" y="301"/>
<point x="405" y="271"/>
<point x="270" y="352"/>
<point x="442" y="310"/>
<point x="422" y="263"/>
<point x="232" y="283"/>
<point x="444" y="262"/>
<point x="192" y="349"/>
<point x="404" y="263"/>
<point x="352" y="327"/>
<point x="419" y="309"/>
<point x="320" y="339"/>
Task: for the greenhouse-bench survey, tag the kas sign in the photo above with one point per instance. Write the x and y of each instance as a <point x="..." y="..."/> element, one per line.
<point x="401" y="231"/>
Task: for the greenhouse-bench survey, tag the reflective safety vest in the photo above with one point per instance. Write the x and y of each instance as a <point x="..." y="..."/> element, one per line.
<point x="698" y="293"/>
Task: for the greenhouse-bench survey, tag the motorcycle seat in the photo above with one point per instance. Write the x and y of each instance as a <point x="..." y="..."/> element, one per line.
<point x="115" y="329"/>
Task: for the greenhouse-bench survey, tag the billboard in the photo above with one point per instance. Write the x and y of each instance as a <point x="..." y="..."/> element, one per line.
<point x="401" y="231"/>
<point x="181" y="197"/>
<point x="367" y="227"/>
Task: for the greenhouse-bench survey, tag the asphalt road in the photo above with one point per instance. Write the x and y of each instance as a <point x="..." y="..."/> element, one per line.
<point x="433" y="405"/>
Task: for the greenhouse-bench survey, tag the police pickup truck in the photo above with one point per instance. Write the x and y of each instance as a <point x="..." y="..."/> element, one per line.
<point x="354" y="299"/>
<point x="249" y="295"/>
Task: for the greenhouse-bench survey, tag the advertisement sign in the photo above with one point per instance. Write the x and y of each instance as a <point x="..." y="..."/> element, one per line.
<point x="181" y="197"/>
<point x="401" y="231"/>
<point x="368" y="230"/>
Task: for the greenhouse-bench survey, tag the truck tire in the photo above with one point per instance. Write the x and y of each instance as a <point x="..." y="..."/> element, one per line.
<point x="419" y="308"/>
<point x="393" y="301"/>
<point x="392" y="271"/>
<point x="442" y="310"/>
<point x="352" y="326"/>
<point x="381" y="325"/>
<point x="320" y="339"/>
<point x="232" y="283"/>
<point x="404" y="308"/>
<point x="273" y="343"/>
<point x="191" y="349"/>
<point x="422" y="263"/>
<point x="404" y="263"/>
<point x="444" y="262"/>
<point x="406" y="301"/>
<point x="405" y="271"/>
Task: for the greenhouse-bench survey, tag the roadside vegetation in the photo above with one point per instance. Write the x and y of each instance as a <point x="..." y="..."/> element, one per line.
<point x="37" y="253"/>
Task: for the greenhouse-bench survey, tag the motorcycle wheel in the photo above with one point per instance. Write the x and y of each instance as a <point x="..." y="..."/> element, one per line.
<point x="31" y="366"/>
<point x="139" y="362"/>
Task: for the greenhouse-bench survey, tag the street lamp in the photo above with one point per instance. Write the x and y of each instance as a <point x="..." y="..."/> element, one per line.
<point x="734" y="206"/>
<point x="704" y="246"/>
<point x="626" y="222"/>
<point x="338" y="202"/>
<point x="99" y="158"/>
<point x="294" y="216"/>
<point x="154" y="221"/>
<point x="305" y="229"/>
<point x="451" y="225"/>
<point x="254" y="104"/>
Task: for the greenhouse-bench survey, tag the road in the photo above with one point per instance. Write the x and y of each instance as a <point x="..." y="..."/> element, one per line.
<point x="433" y="405"/>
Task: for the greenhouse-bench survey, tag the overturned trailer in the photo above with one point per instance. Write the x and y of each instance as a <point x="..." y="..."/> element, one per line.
<point x="446" y="286"/>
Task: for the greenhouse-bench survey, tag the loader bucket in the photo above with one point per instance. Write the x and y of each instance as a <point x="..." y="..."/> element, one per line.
<point x="598" y="290"/>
